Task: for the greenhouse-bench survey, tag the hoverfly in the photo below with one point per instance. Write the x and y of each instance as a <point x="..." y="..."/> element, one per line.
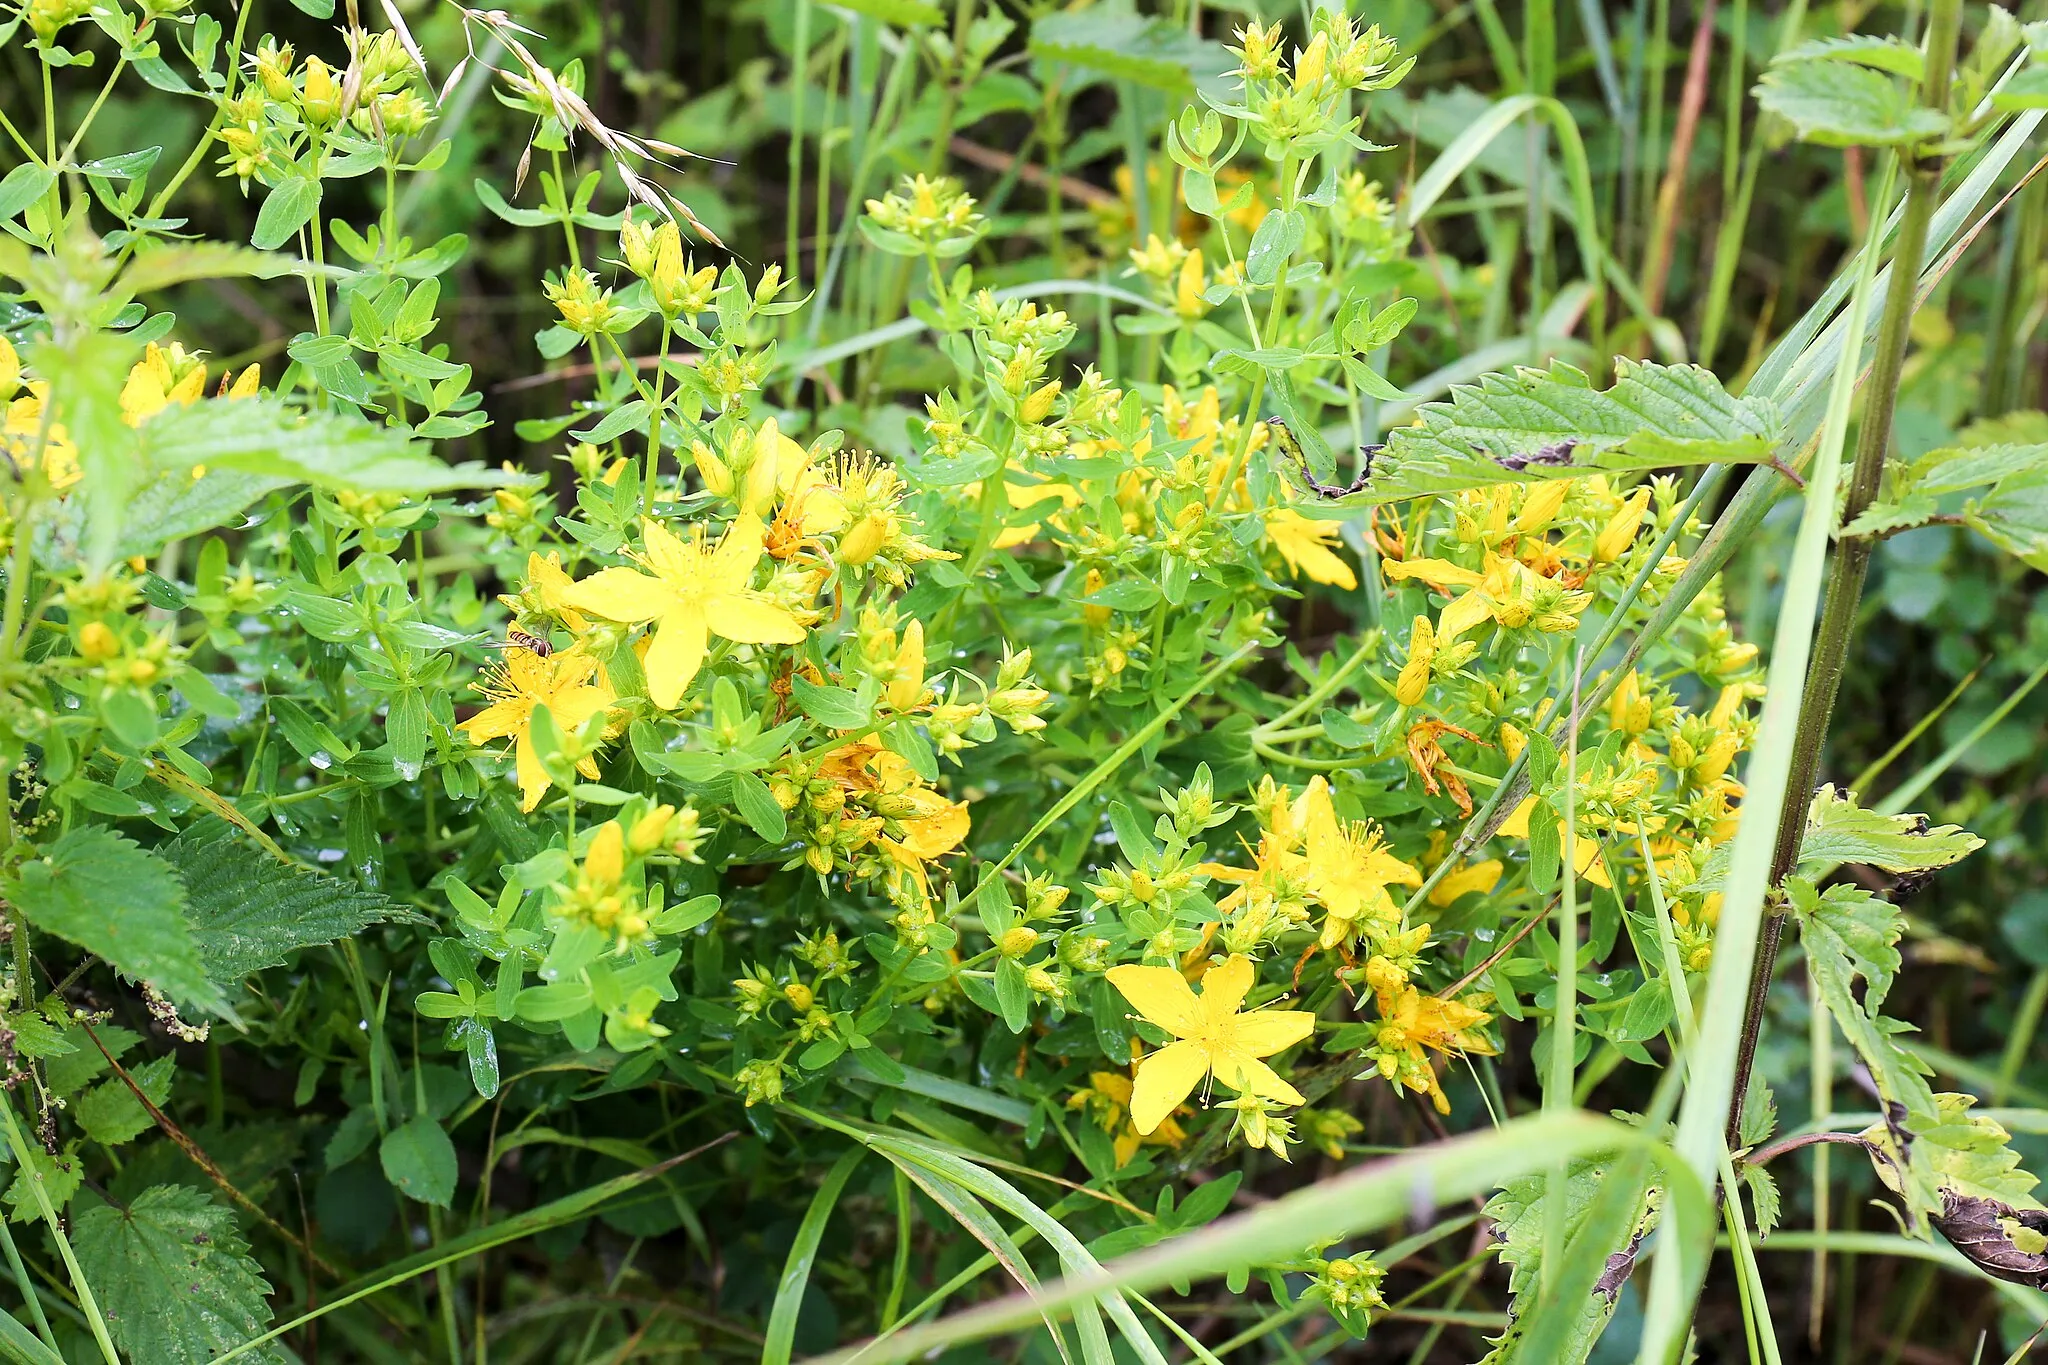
<point x="532" y="644"/>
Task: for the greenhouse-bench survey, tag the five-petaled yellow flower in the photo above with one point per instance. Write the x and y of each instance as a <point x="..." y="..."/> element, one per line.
<point x="1211" y="1038"/>
<point x="1349" y="869"/>
<point x="692" y="591"/>
<point x="1305" y="544"/>
<point x="565" y="683"/>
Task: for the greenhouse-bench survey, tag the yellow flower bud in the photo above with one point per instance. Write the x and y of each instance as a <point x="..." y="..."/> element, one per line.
<point x="1312" y="63"/>
<point x="799" y="995"/>
<point x="716" y="473"/>
<point x="1038" y="406"/>
<point x="10" y="369"/>
<point x="96" y="643"/>
<point x="320" y="102"/>
<point x="1017" y="940"/>
<point x="636" y="244"/>
<point x="863" y="540"/>
<point x="1512" y="741"/>
<point x="1541" y="505"/>
<point x="605" y="860"/>
<point x="650" y="829"/>
<point x="1414" y="679"/>
<point x="1620" y="532"/>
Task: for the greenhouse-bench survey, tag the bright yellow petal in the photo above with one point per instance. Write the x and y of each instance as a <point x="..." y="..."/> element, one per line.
<point x="1250" y="1076"/>
<point x="621" y="595"/>
<point x="496" y="721"/>
<point x="533" y="779"/>
<point x="1479" y="877"/>
<point x="750" y="620"/>
<point x="1432" y="571"/>
<point x="934" y="835"/>
<point x="1165" y="1078"/>
<point x="732" y="563"/>
<point x="1224" y="987"/>
<point x="574" y="705"/>
<point x="1516" y="826"/>
<point x="1161" y="996"/>
<point x="1264" y="1032"/>
<point x="674" y="658"/>
<point x="1463" y="614"/>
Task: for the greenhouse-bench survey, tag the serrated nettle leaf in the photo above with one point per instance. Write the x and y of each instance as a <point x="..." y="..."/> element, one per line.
<point x="2014" y="516"/>
<point x="1881" y="52"/>
<point x="1951" y="469"/>
<point x="174" y="1278"/>
<point x="1124" y="46"/>
<point x="248" y="911"/>
<point x="1851" y="937"/>
<point x="1838" y="104"/>
<point x="1840" y="831"/>
<point x="1610" y="1207"/>
<point x="107" y="895"/>
<point x="1552" y="424"/>
<point x="110" y="1113"/>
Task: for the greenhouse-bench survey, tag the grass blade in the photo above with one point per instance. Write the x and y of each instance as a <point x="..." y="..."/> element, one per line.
<point x="796" y="1271"/>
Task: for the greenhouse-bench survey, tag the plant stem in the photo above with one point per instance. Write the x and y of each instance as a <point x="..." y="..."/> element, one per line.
<point x="1923" y="170"/>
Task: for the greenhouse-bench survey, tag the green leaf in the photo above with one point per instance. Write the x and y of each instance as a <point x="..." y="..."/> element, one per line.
<point x="838" y="707"/>
<point x="1553" y="424"/>
<point x="1951" y="469"/>
<point x="103" y="893"/>
<point x="1765" y="1205"/>
<point x="1840" y="831"/>
<point x="23" y="186"/>
<point x="757" y="807"/>
<point x="174" y="1278"/>
<point x="248" y="911"/>
<point x="163" y="265"/>
<point x="1851" y="935"/>
<point x="1127" y="47"/>
<point x="1839" y="105"/>
<point x="897" y="13"/>
<point x="1278" y="237"/>
<point x="60" y="1175"/>
<point x="1879" y="52"/>
<point x="289" y="206"/>
<point x="110" y="1114"/>
<point x="1610" y="1207"/>
<point x="266" y="436"/>
<point x="419" y="1159"/>
<point x="2014" y="516"/>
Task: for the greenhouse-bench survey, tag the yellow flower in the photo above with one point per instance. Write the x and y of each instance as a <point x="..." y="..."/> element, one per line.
<point x="160" y="379"/>
<point x="1305" y="544"/>
<point x="1108" y="1097"/>
<point x="692" y="591"/>
<point x="565" y="683"/>
<point x="23" y="424"/>
<point x="1508" y="592"/>
<point x="1411" y="1021"/>
<point x="1540" y="505"/>
<point x="1211" y="1037"/>
<point x="906" y="690"/>
<point x="1348" y="869"/>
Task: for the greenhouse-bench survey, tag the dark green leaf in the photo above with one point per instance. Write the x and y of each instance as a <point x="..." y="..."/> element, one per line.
<point x="419" y="1159"/>
<point x="174" y="1278"/>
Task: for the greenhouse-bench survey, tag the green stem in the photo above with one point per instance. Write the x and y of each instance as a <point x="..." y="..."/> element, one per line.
<point x="220" y="115"/>
<point x="26" y="1286"/>
<point x="25" y="1171"/>
<point x="1923" y="170"/>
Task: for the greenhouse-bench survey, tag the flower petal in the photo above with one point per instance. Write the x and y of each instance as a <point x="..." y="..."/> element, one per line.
<point x="674" y="658"/>
<point x="1249" y="1076"/>
<point x="496" y="721"/>
<point x="621" y="595"/>
<point x="1161" y="996"/>
<point x="1264" y="1032"/>
<point x="750" y="620"/>
<point x="1224" y="986"/>
<point x="533" y="779"/>
<point x="732" y="563"/>
<point x="1165" y="1078"/>
<point x="1463" y="614"/>
<point x="1432" y="571"/>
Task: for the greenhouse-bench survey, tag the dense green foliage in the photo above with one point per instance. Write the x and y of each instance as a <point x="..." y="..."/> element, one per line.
<point x="1043" y="682"/>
